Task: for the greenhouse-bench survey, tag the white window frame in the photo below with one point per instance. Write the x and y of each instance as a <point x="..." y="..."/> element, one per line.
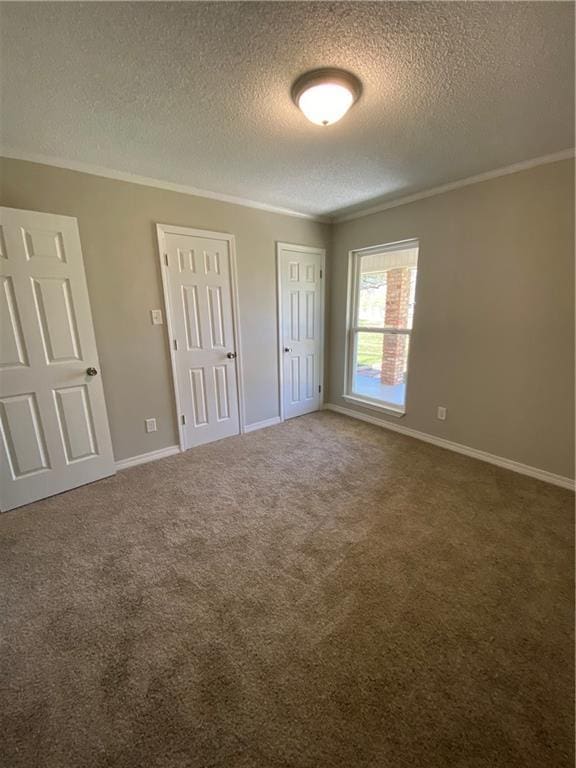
<point x="352" y="327"/>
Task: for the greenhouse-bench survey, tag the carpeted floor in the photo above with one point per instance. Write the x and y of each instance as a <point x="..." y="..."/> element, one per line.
<point x="321" y="594"/>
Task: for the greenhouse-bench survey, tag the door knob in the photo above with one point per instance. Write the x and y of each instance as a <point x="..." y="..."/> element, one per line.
<point x="231" y="355"/>
<point x="287" y="349"/>
<point x="91" y="372"/>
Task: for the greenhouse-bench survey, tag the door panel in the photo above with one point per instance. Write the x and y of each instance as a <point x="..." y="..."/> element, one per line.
<point x="222" y="387"/>
<point x="56" y="319"/>
<point x="216" y="318"/>
<point x="186" y="260"/>
<point x="53" y="420"/>
<point x="294" y="315"/>
<point x="310" y="377"/>
<point x="294" y="380"/>
<point x="191" y="316"/>
<point x="198" y="281"/>
<point x="22" y="435"/>
<point x="12" y="347"/>
<point x="310" y="315"/>
<point x="76" y="425"/>
<point x="300" y="286"/>
<point x="3" y="254"/>
<point x="45" y="244"/>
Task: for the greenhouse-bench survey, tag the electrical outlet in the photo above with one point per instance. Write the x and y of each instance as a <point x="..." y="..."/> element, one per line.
<point x="150" y="425"/>
<point x="156" y="315"/>
<point x="441" y="413"/>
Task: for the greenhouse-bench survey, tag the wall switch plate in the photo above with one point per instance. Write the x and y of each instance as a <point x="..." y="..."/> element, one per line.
<point x="441" y="413"/>
<point x="150" y="425"/>
<point x="156" y="315"/>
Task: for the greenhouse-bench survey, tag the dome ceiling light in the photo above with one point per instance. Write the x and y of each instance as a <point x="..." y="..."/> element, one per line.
<point x="325" y="95"/>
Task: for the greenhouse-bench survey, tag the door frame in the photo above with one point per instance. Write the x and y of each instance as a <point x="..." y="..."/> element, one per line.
<point x="318" y="252"/>
<point x="168" y="229"/>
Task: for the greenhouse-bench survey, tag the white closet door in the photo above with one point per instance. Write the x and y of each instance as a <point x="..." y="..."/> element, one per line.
<point x="301" y="328"/>
<point x="53" y="420"/>
<point x="198" y="278"/>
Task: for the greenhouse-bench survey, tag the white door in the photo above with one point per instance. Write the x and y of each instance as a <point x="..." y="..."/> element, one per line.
<point x="197" y="274"/>
<point x="301" y="305"/>
<point x="53" y="418"/>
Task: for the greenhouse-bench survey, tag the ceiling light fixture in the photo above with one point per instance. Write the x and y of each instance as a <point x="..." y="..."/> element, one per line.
<point x="325" y="95"/>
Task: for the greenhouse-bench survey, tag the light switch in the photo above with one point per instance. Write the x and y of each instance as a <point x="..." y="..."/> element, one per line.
<point x="156" y="316"/>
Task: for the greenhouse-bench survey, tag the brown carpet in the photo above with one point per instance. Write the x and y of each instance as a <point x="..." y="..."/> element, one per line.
<point x="321" y="594"/>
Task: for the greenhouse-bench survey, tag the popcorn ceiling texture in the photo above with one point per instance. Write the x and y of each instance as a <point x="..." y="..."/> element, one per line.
<point x="199" y="93"/>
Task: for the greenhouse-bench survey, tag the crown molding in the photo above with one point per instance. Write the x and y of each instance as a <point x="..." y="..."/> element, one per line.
<point x="108" y="173"/>
<point x="328" y="218"/>
<point x="525" y="165"/>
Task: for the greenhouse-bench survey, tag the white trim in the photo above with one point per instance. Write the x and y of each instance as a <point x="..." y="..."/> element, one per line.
<point x="397" y="245"/>
<point x="237" y="337"/>
<point x="300" y="249"/>
<point x="166" y="229"/>
<point x="329" y="217"/>
<point x="274" y="421"/>
<point x="146" y="181"/>
<point x="525" y="165"/>
<point x="389" y="410"/>
<point x="170" y="333"/>
<point x="490" y="458"/>
<point x="144" y="458"/>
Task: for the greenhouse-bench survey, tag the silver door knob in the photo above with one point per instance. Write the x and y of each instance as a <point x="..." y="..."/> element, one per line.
<point x="287" y="349"/>
<point x="91" y="372"/>
<point x="231" y="355"/>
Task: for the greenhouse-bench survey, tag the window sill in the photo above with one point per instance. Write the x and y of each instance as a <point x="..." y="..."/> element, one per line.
<point x="389" y="410"/>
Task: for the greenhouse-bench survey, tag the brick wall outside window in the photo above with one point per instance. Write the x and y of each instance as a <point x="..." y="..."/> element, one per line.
<point x="395" y="346"/>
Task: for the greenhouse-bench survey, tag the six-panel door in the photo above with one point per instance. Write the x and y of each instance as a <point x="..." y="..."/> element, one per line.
<point x="53" y="422"/>
<point x="301" y="331"/>
<point x="202" y="325"/>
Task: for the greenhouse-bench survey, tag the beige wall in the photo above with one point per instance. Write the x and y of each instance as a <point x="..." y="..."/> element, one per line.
<point x="493" y="336"/>
<point x="494" y="325"/>
<point x="117" y="228"/>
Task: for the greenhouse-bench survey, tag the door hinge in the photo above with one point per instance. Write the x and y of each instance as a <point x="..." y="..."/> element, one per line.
<point x="183" y="420"/>
<point x="319" y="387"/>
<point x="176" y="344"/>
<point x="321" y="274"/>
<point x="166" y="259"/>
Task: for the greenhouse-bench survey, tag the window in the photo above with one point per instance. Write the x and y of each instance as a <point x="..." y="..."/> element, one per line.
<point x="381" y="312"/>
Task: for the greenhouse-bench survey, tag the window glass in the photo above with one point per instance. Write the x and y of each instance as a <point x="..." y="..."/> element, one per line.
<point x="386" y="289"/>
<point x="381" y="366"/>
<point x="382" y="318"/>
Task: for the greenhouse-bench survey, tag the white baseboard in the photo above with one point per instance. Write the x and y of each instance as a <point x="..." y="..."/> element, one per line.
<point x="499" y="461"/>
<point x="263" y="424"/>
<point x="162" y="453"/>
<point x="144" y="458"/>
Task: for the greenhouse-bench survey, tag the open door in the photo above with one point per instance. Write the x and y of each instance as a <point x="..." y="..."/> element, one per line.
<point x="53" y="420"/>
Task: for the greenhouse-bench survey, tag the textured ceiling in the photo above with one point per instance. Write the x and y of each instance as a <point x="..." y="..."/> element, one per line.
<point x="199" y="93"/>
